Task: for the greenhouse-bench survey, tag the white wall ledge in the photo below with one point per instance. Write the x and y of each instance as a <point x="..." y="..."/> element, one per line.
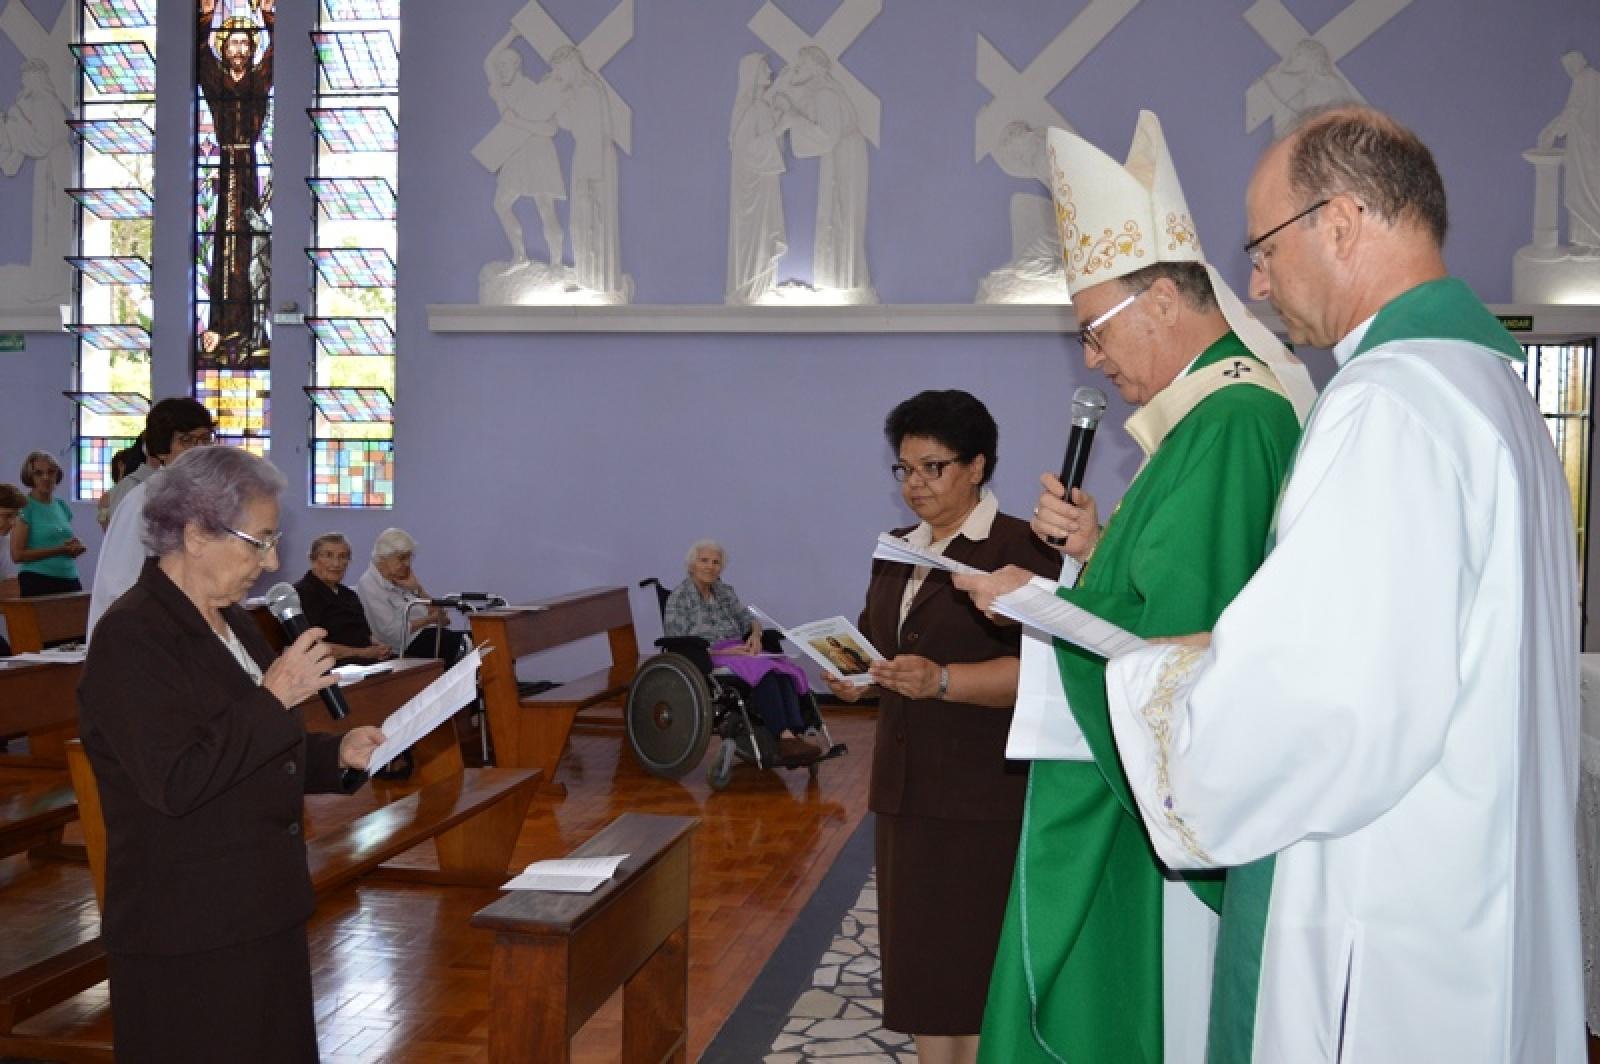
<point x="1548" y="321"/>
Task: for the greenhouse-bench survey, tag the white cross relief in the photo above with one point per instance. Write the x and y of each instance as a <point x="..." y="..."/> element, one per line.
<point x="597" y="49"/>
<point x="778" y="32"/>
<point x="1020" y="95"/>
<point x="1339" y="36"/>
<point x="18" y="23"/>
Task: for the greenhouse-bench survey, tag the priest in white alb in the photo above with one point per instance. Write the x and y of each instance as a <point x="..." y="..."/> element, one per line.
<point x="1381" y="739"/>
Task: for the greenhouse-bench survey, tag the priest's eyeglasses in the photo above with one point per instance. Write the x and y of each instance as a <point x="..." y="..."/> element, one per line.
<point x="928" y="471"/>
<point x="1089" y="336"/>
<point x="262" y="546"/>
<point x="1258" y="254"/>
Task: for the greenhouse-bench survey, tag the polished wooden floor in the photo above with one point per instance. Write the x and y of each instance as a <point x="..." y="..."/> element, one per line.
<point x="399" y="974"/>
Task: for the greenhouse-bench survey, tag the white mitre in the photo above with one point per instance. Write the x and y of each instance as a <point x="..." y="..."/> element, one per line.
<point x="1116" y="218"/>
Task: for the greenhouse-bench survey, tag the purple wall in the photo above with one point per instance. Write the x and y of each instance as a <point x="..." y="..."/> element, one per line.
<point x="534" y="464"/>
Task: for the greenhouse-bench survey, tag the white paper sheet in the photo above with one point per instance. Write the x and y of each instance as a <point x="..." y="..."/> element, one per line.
<point x="571" y="875"/>
<point x="822" y="641"/>
<point x="349" y="674"/>
<point x="428" y="708"/>
<point x="1035" y="604"/>
<point x="894" y="549"/>
<point x="59" y="655"/>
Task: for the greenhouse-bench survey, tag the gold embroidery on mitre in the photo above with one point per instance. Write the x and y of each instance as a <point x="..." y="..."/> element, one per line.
<point x="1101" y="253"/>
<point x="1066" y="219"/>
<point x="1180" y="231"/>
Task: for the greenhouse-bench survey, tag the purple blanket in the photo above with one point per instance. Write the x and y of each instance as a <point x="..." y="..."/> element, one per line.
<point x="752" y="669"/>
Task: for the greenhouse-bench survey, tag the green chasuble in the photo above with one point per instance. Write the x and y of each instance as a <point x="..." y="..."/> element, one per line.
<point x="1078" y="974"/>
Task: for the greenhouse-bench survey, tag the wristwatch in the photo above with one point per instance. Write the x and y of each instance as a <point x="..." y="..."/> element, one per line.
<point x="944" y="681"/>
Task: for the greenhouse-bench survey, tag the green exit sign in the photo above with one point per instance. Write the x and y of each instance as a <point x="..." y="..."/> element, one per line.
<point x="1516" y="322"/>
<point x="12" y="342"/>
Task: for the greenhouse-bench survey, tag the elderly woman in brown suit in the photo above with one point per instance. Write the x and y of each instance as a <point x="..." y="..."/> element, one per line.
<point x="948" y="804"/>
<point x="202" y="765"/>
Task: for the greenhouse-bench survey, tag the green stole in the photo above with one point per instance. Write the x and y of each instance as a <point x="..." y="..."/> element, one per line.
<point x="1445" y="309"/>
<point x="1078" y="973"/>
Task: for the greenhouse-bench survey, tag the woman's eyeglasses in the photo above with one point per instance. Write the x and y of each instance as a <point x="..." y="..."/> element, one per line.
<point x="928" y="471"/>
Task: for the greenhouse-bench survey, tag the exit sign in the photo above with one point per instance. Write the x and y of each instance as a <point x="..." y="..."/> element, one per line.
<point x="1516" y="322"/>
<point x="12" y="342"/>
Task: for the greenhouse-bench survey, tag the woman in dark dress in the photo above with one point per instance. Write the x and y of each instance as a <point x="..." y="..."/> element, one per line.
<point x="202" y="765"/>
<point x="948" y="805"/>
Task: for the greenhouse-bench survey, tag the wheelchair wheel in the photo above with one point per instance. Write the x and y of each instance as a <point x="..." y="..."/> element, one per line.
<point x="668" y="715"/>
<point x="720" y="771"/>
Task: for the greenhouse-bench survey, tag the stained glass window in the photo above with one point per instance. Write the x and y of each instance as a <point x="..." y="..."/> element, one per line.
<point x="115" y="204"/>
<point x="358" y="60"/>
<point x="354" y="267"/>
<point x="353" y="336"/>
<point x="352" y="473"/>
<point x="114" y="337"/>
<point x="354" y="199"/>
<point x="113" y="269"/>
<point x="114" y="404"/>
<point x="94" y="463"/>
<point x="336" y="11"/>
<point x="356" y="129"/>
<point x="115" y="123"/>
<point x="235" y="53"/>
<point x="122" y="14"/>
<point x="118" y="68"/>
<point x="352" y="405"/>
<point x="116" y="136"/>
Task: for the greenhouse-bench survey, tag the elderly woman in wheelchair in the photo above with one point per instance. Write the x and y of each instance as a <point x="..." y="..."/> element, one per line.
<point x="717" y="677"/>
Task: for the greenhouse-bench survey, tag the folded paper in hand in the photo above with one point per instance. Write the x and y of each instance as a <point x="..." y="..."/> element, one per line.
<point x="571" y="875"/>
<point x="1034" y="604"/>
<point x="428" y="709"/>
<point x="834" y="644"/>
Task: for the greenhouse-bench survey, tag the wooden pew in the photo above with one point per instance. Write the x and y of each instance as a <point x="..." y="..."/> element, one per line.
<point x="33" y="622"/>
<point x="39" y="700"/>
<point x="532" y="732"/>
<point x="558" y="957"/>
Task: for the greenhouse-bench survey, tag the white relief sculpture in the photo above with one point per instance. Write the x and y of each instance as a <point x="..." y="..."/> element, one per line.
<point x="1035" y="273"/>
<point x="1307" y="71"/>
<point x="822" y="123"/>
<point x="1548" y="271"/>
<point x="756" y="234"/>
<point x="521" y="150"/>
<point x="1303" y="81"/>
<point x="34" y="135"/>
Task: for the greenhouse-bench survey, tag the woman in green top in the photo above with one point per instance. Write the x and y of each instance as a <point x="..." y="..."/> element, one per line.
<point x="42" y="543"/>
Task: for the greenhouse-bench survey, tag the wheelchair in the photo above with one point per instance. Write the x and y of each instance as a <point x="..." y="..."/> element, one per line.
<point x="678" y="701"/>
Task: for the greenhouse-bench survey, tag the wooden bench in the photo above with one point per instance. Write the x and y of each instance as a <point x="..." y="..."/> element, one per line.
<point x="39" y="700"/>
<point x="532" y="732"/>
<point x="473" y="817"/>
<point x="558" y="957"/>
<point x="33" y="622"/>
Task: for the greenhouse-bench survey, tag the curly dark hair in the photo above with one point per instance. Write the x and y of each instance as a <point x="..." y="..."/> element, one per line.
<point x="955" y="418"/>
<point x="1366" y="154"/>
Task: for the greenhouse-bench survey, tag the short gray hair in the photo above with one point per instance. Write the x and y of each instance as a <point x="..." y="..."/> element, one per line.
<point x="704" y="544"/>
<point x="326" y="537"/>
<point x="208" y="487"/>
<point x="392" y="541"/>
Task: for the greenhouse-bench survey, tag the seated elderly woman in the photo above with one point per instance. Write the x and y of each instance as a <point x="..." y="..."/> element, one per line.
<point x="705" y="607"/>
<point x="330" y="605"/>
<point x="203" y="765"/>
<point x="396" y="602"/>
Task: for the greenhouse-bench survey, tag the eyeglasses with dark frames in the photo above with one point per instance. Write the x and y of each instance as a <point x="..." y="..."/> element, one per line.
<point x="196" y="437"/>
<point x="1258" y="255"/>
<point x="262" y="546"/>
<point x="929" y="471"/>
<point x="1089" y="335"/>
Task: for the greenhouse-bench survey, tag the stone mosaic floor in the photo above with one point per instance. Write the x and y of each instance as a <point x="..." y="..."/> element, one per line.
<point x="839" y="1019"/>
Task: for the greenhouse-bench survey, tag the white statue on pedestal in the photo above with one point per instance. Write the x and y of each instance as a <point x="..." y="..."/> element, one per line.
<point x="1546" y="271"/>
<point x="521" y="149"/>
<point x="585" y="111"/>
<point x="822" y="122"/>
<point x="35" y="128"/>
<point x="1035" y="273"/>
<point x="756" y="233"/>
<point x="1304" y="80"/>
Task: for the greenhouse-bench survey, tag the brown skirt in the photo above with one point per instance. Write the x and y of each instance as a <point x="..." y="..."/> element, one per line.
<point x="249" y="1002"/>
<point x="942" y="887"/>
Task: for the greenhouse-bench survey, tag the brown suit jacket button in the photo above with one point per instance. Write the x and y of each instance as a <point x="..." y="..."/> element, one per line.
<point x="294" y="829"/>
<point x="290" y="767"/>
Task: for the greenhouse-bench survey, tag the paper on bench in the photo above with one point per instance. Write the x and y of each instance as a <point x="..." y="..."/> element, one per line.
<point x="1034" y="604"/>
<point x="349" y="674"/>
<point x="59" y="655"/>
<point x="428" y="708"/>
<point x="571" y="875"/>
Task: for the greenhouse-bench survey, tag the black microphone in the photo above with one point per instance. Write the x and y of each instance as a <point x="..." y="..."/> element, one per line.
<point x="1087" y="406"/>
<point x="284" y="603"/>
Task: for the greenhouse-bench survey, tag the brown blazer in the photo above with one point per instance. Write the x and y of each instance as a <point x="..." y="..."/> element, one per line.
<point x="202" y="778"/>
<point x="936" y="758"/>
